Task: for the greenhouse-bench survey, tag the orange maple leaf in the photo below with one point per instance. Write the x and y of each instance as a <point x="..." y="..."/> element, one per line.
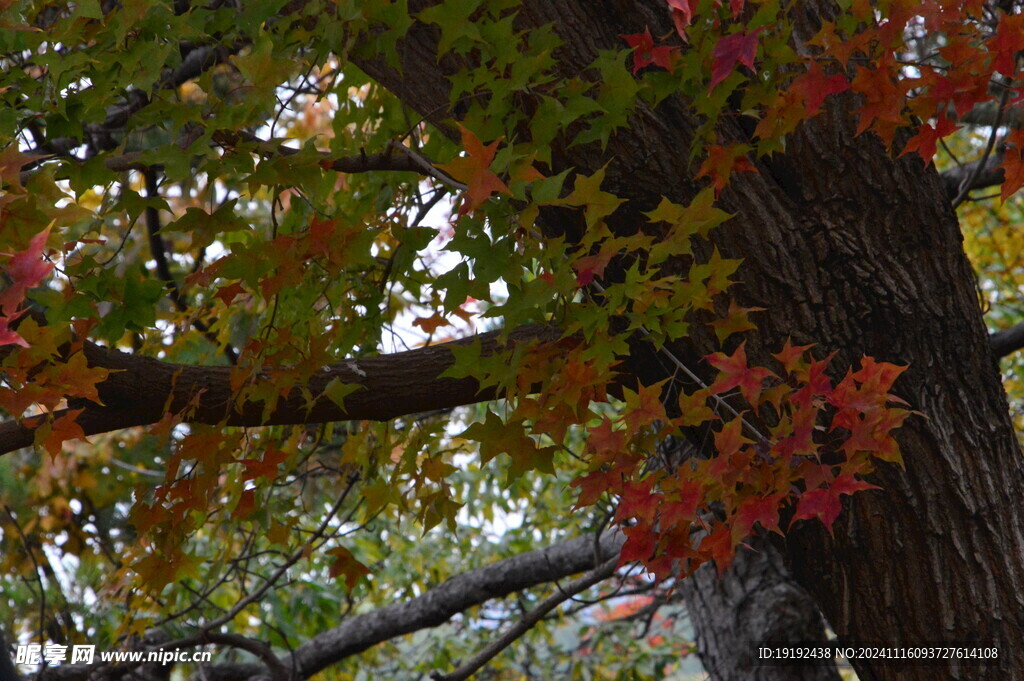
<point x="722" y="162"/>
<point x="474" y="171"/>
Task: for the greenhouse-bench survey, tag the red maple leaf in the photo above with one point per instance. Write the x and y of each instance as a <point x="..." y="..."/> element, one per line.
<point x="682" y="14"/>
<point x="9" y="337"/>
<point x="1013" y="164"/>
<point x="230" y="292"/>
<point x="877" y="377"/>
<point x="926" y="138"/>
<point x="763" y="510"/>
<point x="882" y="99"/>
<point x="267" y="468"/>
<point x="820" y="504"/>
<point x="1007" y="42"/>
<point x="824" y="504"/>
<point x="637" y="501"/>
<point x="814" y="86"/>
<point x="737" y="48"/>
<point x="640" y="543"/>
<point x="26" y="269"/>
<point x="718" y="546"/>
<point x="735" y="373"/>
<point x="590" y="266"/>
<point x="645" y="53"/>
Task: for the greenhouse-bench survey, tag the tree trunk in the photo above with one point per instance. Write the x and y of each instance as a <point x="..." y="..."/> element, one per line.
<point x="754" y="601"/>
<point x="860" y="253"/>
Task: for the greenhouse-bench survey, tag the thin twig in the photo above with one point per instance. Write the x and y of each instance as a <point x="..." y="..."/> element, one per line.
<point x="528" y="621"/>
<point x="163" y="270"/>
<point x="751" y="428"/>
<point x="968" y="183"/>
<point x="36" y="570"/>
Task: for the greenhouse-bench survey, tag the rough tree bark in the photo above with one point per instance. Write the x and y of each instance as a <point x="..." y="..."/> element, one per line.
<point x="755" y="600"/>
<point x="861" y="254"/>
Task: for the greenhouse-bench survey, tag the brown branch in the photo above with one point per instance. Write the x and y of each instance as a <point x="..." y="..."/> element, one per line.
<point x="528" y="621"/>
<point x="1007" y="341"/>
<point x="140" y="390"/>
<point x="158" y="250"/>
<point x="98" y="135"/>
<point x="396" y="158"/>
<point x="976" y="174"/>
<point x="433" y="608"/>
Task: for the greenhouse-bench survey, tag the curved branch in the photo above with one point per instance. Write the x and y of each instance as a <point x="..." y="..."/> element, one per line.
<point x="433" y="608"/>
<point x="1007" y="341"/>
<point x="528" y="621"/>
<point x="141" y="390"/>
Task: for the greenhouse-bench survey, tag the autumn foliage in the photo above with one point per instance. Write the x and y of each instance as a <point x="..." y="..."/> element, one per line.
<point x="286" y="266"/>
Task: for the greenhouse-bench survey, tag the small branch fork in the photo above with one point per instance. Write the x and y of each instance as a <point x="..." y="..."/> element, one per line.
<point x="528" y="621"/>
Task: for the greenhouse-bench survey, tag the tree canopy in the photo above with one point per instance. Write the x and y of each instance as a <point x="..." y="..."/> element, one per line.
<point x="327" y="322"/>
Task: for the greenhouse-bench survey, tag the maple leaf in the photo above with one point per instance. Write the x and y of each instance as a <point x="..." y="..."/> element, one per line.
<point x="791" y="356"/>
<point x="474" y="171"/>
<point x="694" y="410"/>
<point x="640" y="544"/>
<point x="824" y="504"/>
<point x="590" y="266"/>
<point x="820" y="504"/>
<point x="735" y="373"/>
<point x="26" y="269"/>
<point x="586" y="192"/>
<point x="1007" y="42"/>
<point x="80" y="379"/>
<point x="267" y="468"/>
<point x="246" y="505"/>
<point x="722" y="162"/>
<point x="814" y="86"/>
<point x="762" y="510"/>
<point x="1013" y="165"/>
<point x="63" y="428"/>
<point x="927" y="137"/>
<point x="644" y="407"/>
<point x="11" y="162"/>
<point x="346" y="566"/>
<point x="605" y="440"/>
<point x="735" y="321"/>
<point x="729" y="439"/>
<point x="9" y="337"/>
<point x="737" y="48"/>
<point x="431" y="324"/>
<point x="593" y="486"/>
<point x="228" y="293"/>
<point x="682" y="14"/>
<point x="637" y="501"/>
<point x="645" y="53"/>
<point x="882" y="99"/>
<point x="719" y="547"/>
<point x="877" y="377"/>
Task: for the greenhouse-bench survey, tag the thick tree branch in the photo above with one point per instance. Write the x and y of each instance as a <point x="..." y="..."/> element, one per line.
<point x="990" y="175"/>
<point x="1007" y="341"/>
<point x="99" y="135"/>
<point x="140" y="390"/>
<point x="433" y="608"/>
